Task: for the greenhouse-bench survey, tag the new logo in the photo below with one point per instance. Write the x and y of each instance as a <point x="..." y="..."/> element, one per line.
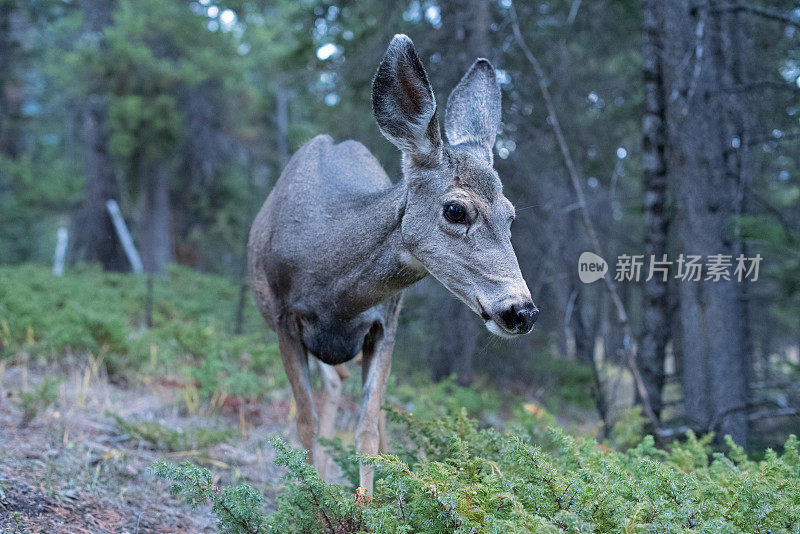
<point x="591" y="267"/>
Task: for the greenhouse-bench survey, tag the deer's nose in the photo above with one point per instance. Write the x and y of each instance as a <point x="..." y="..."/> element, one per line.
<point x="519" y="318"/>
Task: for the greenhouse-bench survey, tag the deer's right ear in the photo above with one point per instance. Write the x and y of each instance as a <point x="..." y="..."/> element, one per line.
<point x="404" y="105"/>
<point x="473" y="109"/>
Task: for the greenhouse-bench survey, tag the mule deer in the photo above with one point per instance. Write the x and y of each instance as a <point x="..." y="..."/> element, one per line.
<point x="336" y="242"/>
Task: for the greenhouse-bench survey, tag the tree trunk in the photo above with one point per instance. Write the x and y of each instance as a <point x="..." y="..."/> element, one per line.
<point x="468" y="22"/>
<point x="10" y="87"/>
<point x="585" y="336"/>
<point x="743" y="57"/>
<point x="655" y="331"/>
<point x="95" y="237"/>
<point x="469" y="29"/>
<point x="155" y="235"/>
<point x="703" y="166"/>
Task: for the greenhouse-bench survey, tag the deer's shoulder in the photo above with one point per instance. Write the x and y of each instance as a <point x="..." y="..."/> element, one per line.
<point x="343" y="167"/>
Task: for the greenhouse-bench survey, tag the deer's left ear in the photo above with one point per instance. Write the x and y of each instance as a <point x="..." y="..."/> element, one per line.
<point x="473" y="110"/>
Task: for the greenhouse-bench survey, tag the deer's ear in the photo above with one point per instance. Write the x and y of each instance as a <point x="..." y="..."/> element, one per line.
<point x="473" y="109"/>
<point x="404" y="105"/>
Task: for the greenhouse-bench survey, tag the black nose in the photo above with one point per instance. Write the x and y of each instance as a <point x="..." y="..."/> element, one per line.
<point x="519" y="318"/>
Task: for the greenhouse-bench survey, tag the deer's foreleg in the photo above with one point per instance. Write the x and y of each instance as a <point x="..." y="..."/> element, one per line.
<point x="377" y="364"/>
<point x="327" y="421"/>
<point x="295" y="362"/>
<point x="368" y="426"/>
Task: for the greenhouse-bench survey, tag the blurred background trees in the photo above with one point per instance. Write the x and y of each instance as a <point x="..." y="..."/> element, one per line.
<point x="681" y="116"/>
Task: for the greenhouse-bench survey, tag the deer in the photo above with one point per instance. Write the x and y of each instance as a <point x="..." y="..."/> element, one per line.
<point x="336" y="242"/>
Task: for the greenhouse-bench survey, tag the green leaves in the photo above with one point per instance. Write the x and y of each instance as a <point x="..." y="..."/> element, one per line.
<point x="237" y="508"/>
<point x="90" y="311"/>
<point x="194" y="483"/>
<point x="310" y="504"/>
<point x="134" y="117"/>
<point x="465" y="480"/>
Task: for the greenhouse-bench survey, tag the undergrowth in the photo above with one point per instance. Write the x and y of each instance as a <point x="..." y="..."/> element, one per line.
<point x="453" y="476"/>
<point x="469" y="459"/>
<point x="32" y="401"/>
<point x="43" y="317"/>
<point x="191" y="344"/>
<point x="164" y="438"/>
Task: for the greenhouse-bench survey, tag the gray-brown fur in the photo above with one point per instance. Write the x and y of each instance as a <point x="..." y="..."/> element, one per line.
<point x="336" y="242"/>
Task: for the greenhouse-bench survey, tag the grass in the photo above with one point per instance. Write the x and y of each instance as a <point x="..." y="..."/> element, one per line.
<point x="171" y="440"/>
<point x="33" y="401"/>
<point x="43" y="317"/>
<point x="191" y="342"/>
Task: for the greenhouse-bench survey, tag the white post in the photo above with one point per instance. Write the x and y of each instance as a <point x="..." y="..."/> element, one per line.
<point x="61" y="251"/>
<point x="124" y="236"/>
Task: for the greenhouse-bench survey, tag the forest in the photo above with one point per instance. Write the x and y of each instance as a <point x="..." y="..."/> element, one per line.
<point x="651" y="149"/>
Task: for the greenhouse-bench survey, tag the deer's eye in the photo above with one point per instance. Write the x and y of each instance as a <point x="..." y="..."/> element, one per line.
<point x="455" y="212"/>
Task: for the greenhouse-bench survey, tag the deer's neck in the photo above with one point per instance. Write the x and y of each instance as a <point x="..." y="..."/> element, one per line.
<point x="376" y="263"/>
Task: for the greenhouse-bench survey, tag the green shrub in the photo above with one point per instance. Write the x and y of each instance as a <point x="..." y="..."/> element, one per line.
<point x="458" y="478"/>
<point x="38" y="399"/>
<point x="630" y="428"/>
<point x="445" y="396"/>
<point x="90" y="311"/>
<point x="193" y="438"/>
<point x="237" y="508"/>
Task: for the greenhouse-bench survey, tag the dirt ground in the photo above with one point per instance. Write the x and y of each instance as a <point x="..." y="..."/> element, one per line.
<point x="71" y="470"/>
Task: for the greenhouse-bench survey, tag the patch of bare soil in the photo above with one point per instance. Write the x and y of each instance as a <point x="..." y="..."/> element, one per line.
<point x="25" y="508"/>
<point x="72" y="470"/>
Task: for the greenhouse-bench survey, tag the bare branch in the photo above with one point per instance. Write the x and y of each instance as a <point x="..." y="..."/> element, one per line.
<point x="575" y="179"/>
<point x="787" y="228"/>
<point x="777" y="85"/>
<point x="573" y="11"/>
<point x="783" y="412"/>
<point x="772" y="138"/>
<point x="699" y="48"/>
<point x="765" y="12"/>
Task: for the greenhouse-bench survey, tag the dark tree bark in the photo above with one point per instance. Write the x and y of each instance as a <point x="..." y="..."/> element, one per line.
<point x="95" y="238"/>
<point x="655" y="331"/>
<point x="11" y="95"/>
<point x="740" y="61"/>
<point x="704" y="167"/>
<point x="585" y="336"/>
<point x="154" y="227"/>
<point x="467" y="23"/>
<point x="202" y="151"/>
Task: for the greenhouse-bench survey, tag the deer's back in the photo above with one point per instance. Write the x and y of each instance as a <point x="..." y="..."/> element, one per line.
<point x="296" y="229"/>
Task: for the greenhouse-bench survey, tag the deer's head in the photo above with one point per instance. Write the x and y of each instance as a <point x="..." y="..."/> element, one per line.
<point x="457" y="222"/>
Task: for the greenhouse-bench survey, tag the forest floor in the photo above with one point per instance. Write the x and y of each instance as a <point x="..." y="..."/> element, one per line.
<point x="74" y="469"/>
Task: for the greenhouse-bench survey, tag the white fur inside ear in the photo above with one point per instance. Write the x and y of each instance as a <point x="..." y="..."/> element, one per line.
<point x="421" y="143"/>
<point x="421" y="137"/>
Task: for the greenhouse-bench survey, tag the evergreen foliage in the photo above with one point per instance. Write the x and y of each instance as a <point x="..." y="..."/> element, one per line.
<point x="238" y="509"/>
<point x="456" y="477"/>
<point x="42" y="317"/>
<point x="169" y="439"/>
<point x="37" y="399"/>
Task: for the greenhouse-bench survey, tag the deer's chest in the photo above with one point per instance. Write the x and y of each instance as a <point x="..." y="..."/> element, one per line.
<point x="334" y="340"/>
